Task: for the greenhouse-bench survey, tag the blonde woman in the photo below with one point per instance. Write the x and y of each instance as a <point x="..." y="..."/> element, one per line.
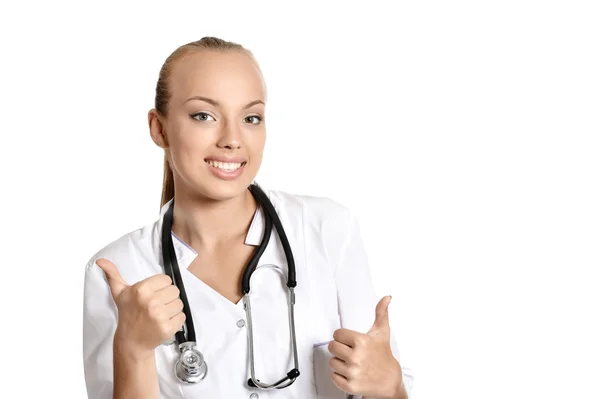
<point x="206" y="302"/>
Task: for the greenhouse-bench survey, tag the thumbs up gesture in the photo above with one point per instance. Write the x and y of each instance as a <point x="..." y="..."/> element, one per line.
<point x="150" y="311"/>
<point x="363" y="364"/>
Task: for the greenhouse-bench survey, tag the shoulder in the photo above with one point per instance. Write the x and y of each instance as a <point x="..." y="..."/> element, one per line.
<point x="130" y="252"/>
<point x="325" y="224"/>
<point x="315" y="210"/>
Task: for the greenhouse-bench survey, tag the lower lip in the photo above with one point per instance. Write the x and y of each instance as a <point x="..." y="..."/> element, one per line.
<point x="224" y="174"/>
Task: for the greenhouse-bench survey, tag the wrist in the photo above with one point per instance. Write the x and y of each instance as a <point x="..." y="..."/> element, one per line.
<point x="400" y="392"/>
<point x="396" y="391"/>
<point x="128" y="349"/>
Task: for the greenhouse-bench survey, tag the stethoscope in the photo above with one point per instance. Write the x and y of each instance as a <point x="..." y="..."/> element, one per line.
<point x="191" y="367"/>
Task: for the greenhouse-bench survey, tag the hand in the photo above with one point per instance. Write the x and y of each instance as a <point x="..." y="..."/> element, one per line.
<point x="363" y="364"/>
<point x="150" y="311"/>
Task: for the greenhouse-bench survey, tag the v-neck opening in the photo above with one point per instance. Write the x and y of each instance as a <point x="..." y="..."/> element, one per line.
<point x="187" y="254"/>
<point x="211" y="291"/>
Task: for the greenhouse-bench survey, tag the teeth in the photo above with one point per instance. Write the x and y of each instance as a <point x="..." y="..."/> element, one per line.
<point x="226" y="166"/>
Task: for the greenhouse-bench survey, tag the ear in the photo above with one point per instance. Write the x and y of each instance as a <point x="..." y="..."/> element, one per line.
<point x="157" y="131"/>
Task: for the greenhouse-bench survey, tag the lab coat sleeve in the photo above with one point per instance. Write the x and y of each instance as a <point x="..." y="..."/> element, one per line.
<point x="357" y="298"/>
<point x="99" y="325"/>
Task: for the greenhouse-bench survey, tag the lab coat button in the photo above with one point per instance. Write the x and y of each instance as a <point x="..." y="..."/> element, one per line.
<point x="241" y="323"/>
<point x="254" y="396"/>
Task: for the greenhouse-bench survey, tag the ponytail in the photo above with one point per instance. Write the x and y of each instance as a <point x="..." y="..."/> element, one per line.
<point x="168" y="190"/>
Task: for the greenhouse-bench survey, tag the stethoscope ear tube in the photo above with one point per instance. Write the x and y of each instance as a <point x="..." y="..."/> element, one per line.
<point x="172" y="269"/>
<point x="266" y="203"/>
<point x="256" y="255"/>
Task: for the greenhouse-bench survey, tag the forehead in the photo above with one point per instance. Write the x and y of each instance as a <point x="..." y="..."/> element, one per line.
<point x="231" y="78"/>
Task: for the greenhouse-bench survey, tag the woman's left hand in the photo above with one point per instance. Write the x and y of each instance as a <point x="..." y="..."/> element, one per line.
<point x="363" y="364"/>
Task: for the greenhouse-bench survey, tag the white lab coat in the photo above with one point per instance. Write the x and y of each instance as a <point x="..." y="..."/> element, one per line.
<point x="334" y="290"/>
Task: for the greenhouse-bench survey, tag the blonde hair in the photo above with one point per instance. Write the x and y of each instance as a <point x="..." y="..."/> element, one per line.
<point x="163" y="94"/>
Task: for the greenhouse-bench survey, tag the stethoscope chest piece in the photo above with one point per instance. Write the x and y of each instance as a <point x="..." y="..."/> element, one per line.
<point x="191" y="367"/>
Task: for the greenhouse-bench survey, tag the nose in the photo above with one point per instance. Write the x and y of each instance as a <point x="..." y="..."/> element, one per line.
<point x="230" y="137"/>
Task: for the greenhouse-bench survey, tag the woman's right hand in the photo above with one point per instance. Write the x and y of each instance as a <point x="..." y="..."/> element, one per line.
<point x="150" y="311"/>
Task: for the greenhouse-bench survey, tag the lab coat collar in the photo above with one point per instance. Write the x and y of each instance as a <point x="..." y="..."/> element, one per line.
<point x="253" y="237"/>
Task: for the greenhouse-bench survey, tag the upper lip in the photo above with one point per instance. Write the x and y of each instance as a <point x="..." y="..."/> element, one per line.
<point x="223" y="158"/>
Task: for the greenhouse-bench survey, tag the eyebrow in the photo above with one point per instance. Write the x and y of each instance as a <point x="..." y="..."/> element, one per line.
<point x="217" y="104"/>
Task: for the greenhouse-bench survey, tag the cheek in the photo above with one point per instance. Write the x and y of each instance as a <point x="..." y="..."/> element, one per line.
<point x="256" y="156"/>
<point x="256" y="144"/>
<point x="187" y="151"/>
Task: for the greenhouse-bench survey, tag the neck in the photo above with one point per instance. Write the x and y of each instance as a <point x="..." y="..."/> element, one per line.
<point x="206" y="223"/>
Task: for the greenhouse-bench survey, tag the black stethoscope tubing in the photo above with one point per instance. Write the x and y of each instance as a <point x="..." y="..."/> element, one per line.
<point x="188" y="334"/>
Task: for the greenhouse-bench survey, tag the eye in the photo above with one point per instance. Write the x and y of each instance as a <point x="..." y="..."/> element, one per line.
<point x="257" y="119"/>
<point x="201" y="116"/>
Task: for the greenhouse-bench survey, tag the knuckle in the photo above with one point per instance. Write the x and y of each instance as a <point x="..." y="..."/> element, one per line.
<point x="161" y="280"/>
<point x="171" y="326"/>
<point x="151" y="304"/>
<point x="175" y="324"/>
<point x="164" y="330"/>
<point x="353" y="372"/>
<point x="351" y="386"/>
<point x="138" y="291"/>
<point x="153" y="308"/>
<point x="167" y="279"/>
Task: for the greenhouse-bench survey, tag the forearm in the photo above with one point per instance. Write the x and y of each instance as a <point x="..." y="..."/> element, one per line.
<point x="135" y="376"/>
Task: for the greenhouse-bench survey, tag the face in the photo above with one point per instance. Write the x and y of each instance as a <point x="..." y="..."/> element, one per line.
<point x="214" y="132"/>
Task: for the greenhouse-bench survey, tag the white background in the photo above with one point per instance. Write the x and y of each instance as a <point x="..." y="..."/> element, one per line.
<point x="464" y="134"/>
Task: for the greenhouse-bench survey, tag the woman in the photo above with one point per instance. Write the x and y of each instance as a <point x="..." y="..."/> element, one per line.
<point x="209" y="118"/>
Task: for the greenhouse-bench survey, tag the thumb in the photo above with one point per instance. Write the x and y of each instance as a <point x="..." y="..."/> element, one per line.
<point x="115" y="281"/>
<point x="382" y="323"/>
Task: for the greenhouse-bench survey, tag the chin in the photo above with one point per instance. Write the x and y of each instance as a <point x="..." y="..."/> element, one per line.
<point x="224" y="190"/>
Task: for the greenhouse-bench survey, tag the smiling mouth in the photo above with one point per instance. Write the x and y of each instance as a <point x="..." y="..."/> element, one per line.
<point x="226" y="166"/>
